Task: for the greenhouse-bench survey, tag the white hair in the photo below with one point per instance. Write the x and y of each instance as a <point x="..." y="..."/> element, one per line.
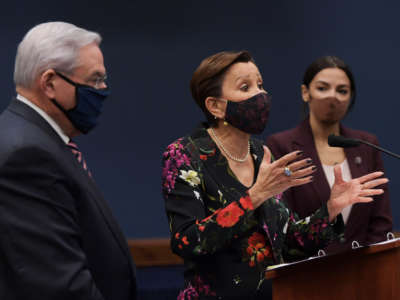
<point x="52" y="45"/>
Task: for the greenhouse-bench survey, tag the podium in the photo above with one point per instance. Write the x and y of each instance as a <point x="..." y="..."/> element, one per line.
<point x="370" y="272"/>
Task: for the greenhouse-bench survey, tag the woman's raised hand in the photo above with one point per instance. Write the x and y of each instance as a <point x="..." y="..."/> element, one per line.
<point x="357" y="190"/>
<point x="276" y="177"/>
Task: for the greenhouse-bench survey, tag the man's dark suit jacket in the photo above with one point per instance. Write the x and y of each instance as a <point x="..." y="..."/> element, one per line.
<point x="58" y="238"/>
<point x="368" y="222"/>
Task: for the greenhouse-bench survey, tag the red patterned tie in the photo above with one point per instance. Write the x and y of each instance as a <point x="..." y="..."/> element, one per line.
<point x="79" y="157"/>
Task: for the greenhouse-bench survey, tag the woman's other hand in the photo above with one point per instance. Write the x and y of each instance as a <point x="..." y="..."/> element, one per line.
<point x="272" y="180"/>
<point x="361" y="189"/>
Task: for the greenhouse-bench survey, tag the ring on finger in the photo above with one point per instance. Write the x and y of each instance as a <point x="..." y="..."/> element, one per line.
<point x="287" y="171"/>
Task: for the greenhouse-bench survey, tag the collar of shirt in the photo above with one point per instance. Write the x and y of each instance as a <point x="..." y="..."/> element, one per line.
<point x="45" y="116"/>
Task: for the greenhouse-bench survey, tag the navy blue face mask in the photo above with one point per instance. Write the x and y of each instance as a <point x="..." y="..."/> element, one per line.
<point x="89" y="105"/>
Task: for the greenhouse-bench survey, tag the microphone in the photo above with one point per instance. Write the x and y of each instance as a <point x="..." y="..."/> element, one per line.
<point x="343" y="142"/>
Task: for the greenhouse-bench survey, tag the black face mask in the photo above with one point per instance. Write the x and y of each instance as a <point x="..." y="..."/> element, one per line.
<point x="250" y="115"/>
<point x="89" y="105"/>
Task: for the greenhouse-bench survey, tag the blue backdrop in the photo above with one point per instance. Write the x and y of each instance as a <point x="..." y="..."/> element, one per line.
<point x="151" y="49"/>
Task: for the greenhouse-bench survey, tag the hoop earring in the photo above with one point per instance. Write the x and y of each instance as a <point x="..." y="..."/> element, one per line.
<point x="225" y="123"/>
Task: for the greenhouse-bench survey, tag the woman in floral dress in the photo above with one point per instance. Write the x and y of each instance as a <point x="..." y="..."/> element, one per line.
<point x="223" y="192"/>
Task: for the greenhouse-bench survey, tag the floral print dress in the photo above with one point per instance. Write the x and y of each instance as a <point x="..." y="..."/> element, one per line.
<point x="226" y="244"/>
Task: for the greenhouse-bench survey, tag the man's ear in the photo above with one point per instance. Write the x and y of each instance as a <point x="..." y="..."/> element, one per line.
<point x="305" y="94"/>
<point x="47" y="83"/>
<point x="216" y="107"/>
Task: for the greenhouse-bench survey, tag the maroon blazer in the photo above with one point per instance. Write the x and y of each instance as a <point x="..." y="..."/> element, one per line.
<point x="368" y="222"/>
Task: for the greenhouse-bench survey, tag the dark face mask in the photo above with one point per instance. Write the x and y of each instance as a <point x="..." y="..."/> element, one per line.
<point x="251" y="115"/>
<point x="89" y="105"/>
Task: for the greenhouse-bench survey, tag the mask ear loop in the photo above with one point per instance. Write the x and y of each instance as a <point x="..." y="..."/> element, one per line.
<point x="67" y="79"/>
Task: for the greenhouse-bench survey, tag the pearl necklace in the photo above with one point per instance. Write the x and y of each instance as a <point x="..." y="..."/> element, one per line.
<point x="219" y="143"/>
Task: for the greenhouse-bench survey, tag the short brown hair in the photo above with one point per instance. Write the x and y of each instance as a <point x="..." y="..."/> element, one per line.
<point x="209" y="75"/>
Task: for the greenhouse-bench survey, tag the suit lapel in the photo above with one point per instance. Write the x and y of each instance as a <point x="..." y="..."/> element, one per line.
<point x="100" y="203"/>
<point x="353" y="156"/>
<point x="357" y="168"/>
<point x="319" y="184"/>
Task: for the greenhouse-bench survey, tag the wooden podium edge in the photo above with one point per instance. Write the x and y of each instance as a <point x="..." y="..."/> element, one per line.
<point x="367" y="250"/>
<point x="156" y="252"/>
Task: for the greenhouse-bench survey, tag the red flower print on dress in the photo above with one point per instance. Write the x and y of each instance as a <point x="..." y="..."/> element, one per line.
<point x="246" y="203"/>
<point x="257" y="240"/>
<point x="257" y="249"/>
<point x="205" y="220"/>
<point x="185" y="240"/>
<point x="200" y="226"/>
<point x="203" y="157"/>
<point x="260" y="256"/>
<point x="252" y="263"/>
<point x="229" y="215"/>
<point x="208" y="154"/>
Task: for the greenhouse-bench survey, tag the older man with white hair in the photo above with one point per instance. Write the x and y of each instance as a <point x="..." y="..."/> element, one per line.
<point x="58" y="238"/>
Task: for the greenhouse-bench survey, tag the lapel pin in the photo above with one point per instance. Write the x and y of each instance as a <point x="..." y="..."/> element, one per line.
<point x="358" y="160"/>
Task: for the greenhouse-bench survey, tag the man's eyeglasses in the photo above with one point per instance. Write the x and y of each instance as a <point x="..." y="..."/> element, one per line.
<point x="96" y="82"/>
<point x="99" y="81"/>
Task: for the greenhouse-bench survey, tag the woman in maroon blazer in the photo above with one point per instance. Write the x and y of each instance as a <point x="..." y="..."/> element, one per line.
<point x="328" y="92"/>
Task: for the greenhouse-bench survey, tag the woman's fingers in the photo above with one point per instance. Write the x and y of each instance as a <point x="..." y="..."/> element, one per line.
<point x="371" y="192"/>
<point x="267" y="154"/>
<point x="374" y="183"/>
<point x="337" y="171"/>
<point x="301" y="181"/>
<point x="303" y="172"/>
<point x="298" y="169"/>
<point x="277" y="178"/>
<point x="365" y="199"/>
<point x="297" y="165"/>
<point x="370" y="176"/>
<point x="286" y="159"/>
<point x="299" y="173"/>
